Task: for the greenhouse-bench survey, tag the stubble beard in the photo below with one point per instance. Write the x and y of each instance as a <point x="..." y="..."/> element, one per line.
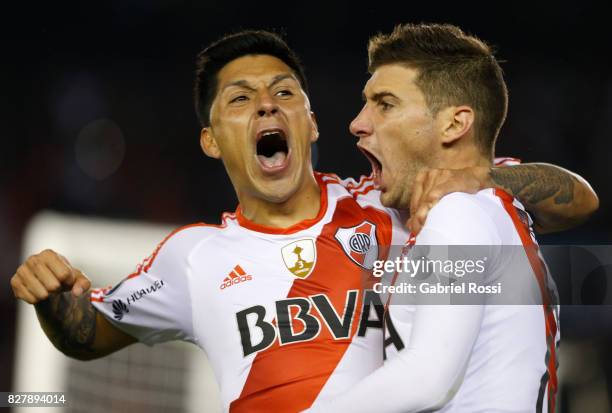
<point x="400" y="194"/>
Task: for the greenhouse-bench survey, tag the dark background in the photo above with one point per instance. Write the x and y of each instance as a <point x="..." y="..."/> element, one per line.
<point x="96" y="113"/>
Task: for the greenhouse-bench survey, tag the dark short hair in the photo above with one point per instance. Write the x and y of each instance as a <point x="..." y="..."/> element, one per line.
<point x="453" y="69"/>
<point x="233" y="46"/>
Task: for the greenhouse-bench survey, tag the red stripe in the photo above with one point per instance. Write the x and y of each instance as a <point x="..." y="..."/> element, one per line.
<point x="138" y="271"/>
<point x="239" y="270"/>
<point x="531" y="248"/>
<point x="364" y="191"/>
<point x="363" y="180"/>
<point x="349" y="186"/>
<point x="330" y="177"/>
<point x="289" y="378"/>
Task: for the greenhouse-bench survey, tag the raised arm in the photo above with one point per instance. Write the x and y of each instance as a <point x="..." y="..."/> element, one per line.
<point x="556" y="198"/>
<point x="60" y="295"/>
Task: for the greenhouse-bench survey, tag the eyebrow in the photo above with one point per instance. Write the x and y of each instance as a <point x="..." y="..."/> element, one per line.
<point x="239" y="83"/>
<point x="280" y="78"/>
<point x="377" y="97"/>
<point x="245" y="84"/>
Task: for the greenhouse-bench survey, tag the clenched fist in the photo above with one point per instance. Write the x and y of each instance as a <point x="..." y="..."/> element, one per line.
<point x="46" y="273"/>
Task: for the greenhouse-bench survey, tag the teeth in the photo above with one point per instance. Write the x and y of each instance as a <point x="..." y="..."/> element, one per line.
<point x="272" y="132"/>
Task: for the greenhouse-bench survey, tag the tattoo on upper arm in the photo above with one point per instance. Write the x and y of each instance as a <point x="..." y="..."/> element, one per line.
<point x="71" y="322"/>
<point x="535" y="183"/>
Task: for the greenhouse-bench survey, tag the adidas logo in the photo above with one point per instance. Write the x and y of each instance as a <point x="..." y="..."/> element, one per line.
<point x="235" y="277"/>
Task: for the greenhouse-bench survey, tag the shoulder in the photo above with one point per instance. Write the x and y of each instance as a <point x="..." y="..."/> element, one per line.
<point x="350" y="185"/>
<point x="363" y="190"/>
<point x="461" y="218"/>
<point x="174" y="250"/>
<point x="187" y="236"/>
<point x="367" y="197"/>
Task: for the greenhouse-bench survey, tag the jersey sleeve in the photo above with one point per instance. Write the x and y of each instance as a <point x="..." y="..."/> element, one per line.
<point x="153" y="304"/>
<point x="428" y="372"/>
<point x="423" y="376"/>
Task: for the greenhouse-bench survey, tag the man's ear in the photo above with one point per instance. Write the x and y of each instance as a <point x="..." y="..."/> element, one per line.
<point x="209" y="143"/>
<point x="457" y="122"/>
<point x="315" y="130"/>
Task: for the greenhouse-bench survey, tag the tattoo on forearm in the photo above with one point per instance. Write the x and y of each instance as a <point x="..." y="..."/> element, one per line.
<point x="70" y="322"/>
<point x="535" y="183"/>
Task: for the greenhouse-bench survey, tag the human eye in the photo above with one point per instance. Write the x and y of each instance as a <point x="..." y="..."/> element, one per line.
<point x="239" y="98"/>
<point x="384" y="105"/>
<point x="284" y="92"/>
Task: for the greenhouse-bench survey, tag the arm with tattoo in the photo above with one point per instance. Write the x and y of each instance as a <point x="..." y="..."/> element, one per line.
<point x="59" y="292"/>
<point x="557" y="198"/>
<point x="70" y="323"/>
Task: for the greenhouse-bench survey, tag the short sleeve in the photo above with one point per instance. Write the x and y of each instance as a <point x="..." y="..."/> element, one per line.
<point x="153" y="304"/>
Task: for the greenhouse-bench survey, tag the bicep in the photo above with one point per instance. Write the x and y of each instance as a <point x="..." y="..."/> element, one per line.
<point x="557" y="198"/>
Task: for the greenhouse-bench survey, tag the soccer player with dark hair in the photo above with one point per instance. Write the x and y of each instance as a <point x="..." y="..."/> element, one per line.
<point x="274" y="294"/>
<point x="436" y="98"/>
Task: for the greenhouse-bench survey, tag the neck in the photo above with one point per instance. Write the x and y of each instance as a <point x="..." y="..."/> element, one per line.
<point x="464" y="157"/>
<point x="302" y="205"/>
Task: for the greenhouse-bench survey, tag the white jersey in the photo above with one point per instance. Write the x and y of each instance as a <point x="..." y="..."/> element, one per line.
<point x="469" y="358"/>
<point x="281" y="313"/>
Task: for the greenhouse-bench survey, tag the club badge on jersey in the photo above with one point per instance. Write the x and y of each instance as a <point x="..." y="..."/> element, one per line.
<point x="359" y="243"/>
<point x="300" y="256"/>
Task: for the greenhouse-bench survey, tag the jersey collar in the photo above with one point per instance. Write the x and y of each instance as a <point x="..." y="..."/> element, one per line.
<point x="299" y="226"/>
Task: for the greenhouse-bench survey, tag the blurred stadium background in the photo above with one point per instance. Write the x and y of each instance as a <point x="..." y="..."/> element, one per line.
<point x="97" y="121"/>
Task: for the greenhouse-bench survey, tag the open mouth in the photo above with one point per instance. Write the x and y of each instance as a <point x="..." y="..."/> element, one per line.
<point x="272" y="150"/>
<point x="376" y="166"/>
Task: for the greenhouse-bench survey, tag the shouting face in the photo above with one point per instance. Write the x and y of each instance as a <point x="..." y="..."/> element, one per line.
<point x="396" y="132"/>
<point x="261" y="127"/>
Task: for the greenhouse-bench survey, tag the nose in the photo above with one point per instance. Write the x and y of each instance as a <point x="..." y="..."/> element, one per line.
<point x="361" y="126"/>
<point x="267" y="105"/>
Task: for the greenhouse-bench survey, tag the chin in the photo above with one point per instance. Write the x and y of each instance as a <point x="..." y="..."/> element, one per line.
<point x="387" y="200"/>
<point x="279" y="191"/>
<point x="276" y="198"/>
<point x="392" y="199"/>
